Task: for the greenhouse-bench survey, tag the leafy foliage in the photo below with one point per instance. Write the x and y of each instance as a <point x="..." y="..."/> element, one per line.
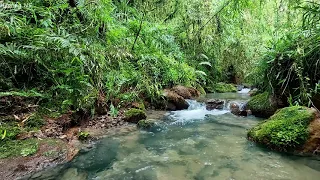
<point x="222" y="88"/>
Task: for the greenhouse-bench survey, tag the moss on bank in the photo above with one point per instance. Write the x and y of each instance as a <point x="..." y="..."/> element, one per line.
<point x="261" y="105"/>
<point x="222" y="88"/>
<point x="16" y="148"/>
<point x="284" y="131"/>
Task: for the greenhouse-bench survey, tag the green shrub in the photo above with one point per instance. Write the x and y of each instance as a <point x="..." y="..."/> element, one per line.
<point x="285" y="130"/>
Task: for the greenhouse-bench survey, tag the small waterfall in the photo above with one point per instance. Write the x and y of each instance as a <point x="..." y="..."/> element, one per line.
<point x="193" y="104"/>
<point x="244" y="91"/>
<point x="196" y="111"/>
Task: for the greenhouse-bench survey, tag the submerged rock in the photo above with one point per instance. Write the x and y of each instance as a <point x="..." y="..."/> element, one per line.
<point x="146" y="124"/>
<point x="263" y="105"/>
<point x="134" y="115"/>
<point x="291" y="129"/>
<point x="73" y="174"/>
<point x="214" y="104"/>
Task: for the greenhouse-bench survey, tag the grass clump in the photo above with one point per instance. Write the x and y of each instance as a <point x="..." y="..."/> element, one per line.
<point x="35" y="121"/>
<point x="223" y="88"/>
<point x="284" y="131"/>
<point x="9" y="131"/>
<point x="18" y="148"/>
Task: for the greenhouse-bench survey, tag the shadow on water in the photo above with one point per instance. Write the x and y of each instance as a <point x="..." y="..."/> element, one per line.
<point x="191" y="144"/>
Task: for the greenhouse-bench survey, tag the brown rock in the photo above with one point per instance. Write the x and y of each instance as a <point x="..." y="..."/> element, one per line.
<point x="312" y="146"/>
<point x="174" y="101"/>
<point x="235" y="109"/>
<point x="214" y="104"/>
<point x="186" y="92"/>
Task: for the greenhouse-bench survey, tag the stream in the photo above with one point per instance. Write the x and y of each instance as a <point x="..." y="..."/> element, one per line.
<point x="189" y="144"/>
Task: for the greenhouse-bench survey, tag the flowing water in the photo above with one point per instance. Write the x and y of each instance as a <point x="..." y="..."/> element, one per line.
<point x="190" y="144"/>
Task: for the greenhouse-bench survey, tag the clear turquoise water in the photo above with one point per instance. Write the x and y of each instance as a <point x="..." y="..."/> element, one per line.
<point x="187" y="145"/>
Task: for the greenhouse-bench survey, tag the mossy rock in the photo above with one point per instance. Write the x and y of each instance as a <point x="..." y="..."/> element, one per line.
<point x="134" y="115"/>
<point x="287" y="130"/>
<point x="261" y="105"/>
<point x="146" y="124"/>
<point x="222" y="88"/>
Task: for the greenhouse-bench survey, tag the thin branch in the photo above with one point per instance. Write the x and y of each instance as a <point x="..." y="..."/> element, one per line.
<point x="214" y="15"/>
<point x="137" y="35"/>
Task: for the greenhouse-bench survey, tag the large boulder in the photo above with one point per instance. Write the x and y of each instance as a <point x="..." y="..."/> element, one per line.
<point x="134" y="115"/>
<point x="214" y="104"/>
<point x="174" y="101"/>
<point x="291" y="129"/>
<point x="186" y="92"/>
<point x="263" y="105"/>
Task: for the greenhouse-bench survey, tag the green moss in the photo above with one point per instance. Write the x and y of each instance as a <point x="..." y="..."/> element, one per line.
<point x="18" y="148"/>
<point x="83" y="135"/>
<point x="146" y="124"/>
<point x="284" y="131"/>
<point x="223" y="88"/>
<point x="135" y="115"/>
<point x="261" y="106"/>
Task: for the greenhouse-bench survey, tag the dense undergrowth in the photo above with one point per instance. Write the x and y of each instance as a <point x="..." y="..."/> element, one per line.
<point x="88" y="55"/>
<point x="290" y="67"/>
<point x="78" y="53"/>
<point x="75" y="53"/>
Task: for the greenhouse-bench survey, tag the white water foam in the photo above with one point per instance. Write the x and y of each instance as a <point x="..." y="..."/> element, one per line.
<point x="196" y="111"/>
<point x="244" y="91"/>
